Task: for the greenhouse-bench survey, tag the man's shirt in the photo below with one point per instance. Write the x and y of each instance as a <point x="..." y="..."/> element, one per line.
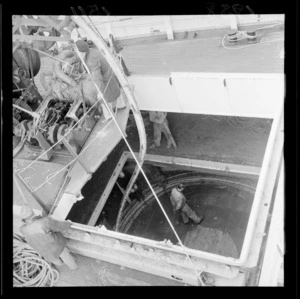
<point x="157" y="117"/>
<point x="177" y="199"/>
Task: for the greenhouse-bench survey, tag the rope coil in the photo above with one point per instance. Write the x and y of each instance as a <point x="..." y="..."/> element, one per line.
<point x="29" y="268"/>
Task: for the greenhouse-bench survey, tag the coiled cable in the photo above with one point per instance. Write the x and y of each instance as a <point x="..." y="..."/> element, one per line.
<point x="29" y="268"/>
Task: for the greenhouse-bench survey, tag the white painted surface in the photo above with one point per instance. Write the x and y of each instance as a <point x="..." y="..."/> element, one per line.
<point x="202" y="164"/>
<point x="264" y="187"/>
<point x="249" y="95"/>
<point x="273" y="258"/>
<point x="257" y="97"/>
<point x="168" y="25"/>
<point x="233" y="22"/>
<point x="202" y="95"/>
<point x="64" y="206"/>
<point x="155" y="93"/>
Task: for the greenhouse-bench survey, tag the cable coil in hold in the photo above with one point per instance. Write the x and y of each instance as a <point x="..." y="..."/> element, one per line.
<point x="29" y="268"/>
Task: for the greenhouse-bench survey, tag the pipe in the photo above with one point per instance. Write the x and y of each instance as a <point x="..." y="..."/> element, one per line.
<point x="101" y="45"/>
<point x="31" y="113"/>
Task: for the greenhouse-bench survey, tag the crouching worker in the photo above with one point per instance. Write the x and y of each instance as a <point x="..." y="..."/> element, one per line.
<point x="43" y="234"/>
<point x="180" y="206"/>
<point x="104" y="78"/>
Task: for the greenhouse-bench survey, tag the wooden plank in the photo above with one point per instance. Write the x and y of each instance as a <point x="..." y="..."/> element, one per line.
<point x="76" y="156"/>
<point x="263" y="194"/>
<point x="107" y="190"/>
<point x="38" y="37"/>
<point x="17" y="24"/>
<point x="120" y="242"/>
<point x="55" y="25"/>
<point x="108" y="29"/>
<point x="169" y="30"/>
<point x="161" y="261"/>
<point x="233" y="22"/>
<point x="92" y="272"/>
<point x="204" y="55"/>
<point x="50" y="22"/>
<point x="273" y="257"/>
<point x="29" y="22"/>
<point x="226" y="167"/>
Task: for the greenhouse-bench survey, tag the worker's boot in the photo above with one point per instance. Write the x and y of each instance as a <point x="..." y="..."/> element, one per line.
<point x="169" y="143"/>
<point x="195" y="217"/>
<point x="191" y="214"/>
<point x="185" y="218"/>
<point x="199" y="220"/>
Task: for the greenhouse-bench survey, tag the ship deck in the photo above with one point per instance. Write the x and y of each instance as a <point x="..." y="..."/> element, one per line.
<point x="92" y="272"/>
<point x="201" y="137"/>
<point x="203" y="55"/>
<point x="196" y="137"/>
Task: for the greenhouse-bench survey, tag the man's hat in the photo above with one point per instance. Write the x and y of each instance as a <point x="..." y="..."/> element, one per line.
<point x="180" y="186"/>
<point x="82" y="46"/>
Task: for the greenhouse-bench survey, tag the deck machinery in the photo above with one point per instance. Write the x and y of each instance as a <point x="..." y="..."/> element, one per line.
<point x="57" y="149"/>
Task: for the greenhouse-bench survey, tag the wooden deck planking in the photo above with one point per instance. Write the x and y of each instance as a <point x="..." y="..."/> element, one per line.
<point x="92" y="272"/>
<point x="204" y="55"/>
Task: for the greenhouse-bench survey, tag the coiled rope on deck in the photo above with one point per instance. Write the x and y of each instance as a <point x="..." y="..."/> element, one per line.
<point x="29" y="268"/>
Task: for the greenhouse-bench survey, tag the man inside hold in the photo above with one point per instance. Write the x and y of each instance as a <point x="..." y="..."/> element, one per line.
<point x="161" y="125"/>
<point x="180" y="206"/>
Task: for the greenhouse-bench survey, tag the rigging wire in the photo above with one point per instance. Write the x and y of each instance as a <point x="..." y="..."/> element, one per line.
<point x="113" y="119"/>
<point x="199" y="278"/>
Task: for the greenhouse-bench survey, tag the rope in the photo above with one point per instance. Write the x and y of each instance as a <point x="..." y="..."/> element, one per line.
<point x="29" y="268"/>
<point x="102" y="275"/>
<point x="199" y="278"/>
<point x="238" y="48"/>
<point x="123" y="136"/>
<point x="244" y="36"/>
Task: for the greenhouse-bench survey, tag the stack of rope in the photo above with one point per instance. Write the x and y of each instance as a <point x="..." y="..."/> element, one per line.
<point x="29" y="268"/>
